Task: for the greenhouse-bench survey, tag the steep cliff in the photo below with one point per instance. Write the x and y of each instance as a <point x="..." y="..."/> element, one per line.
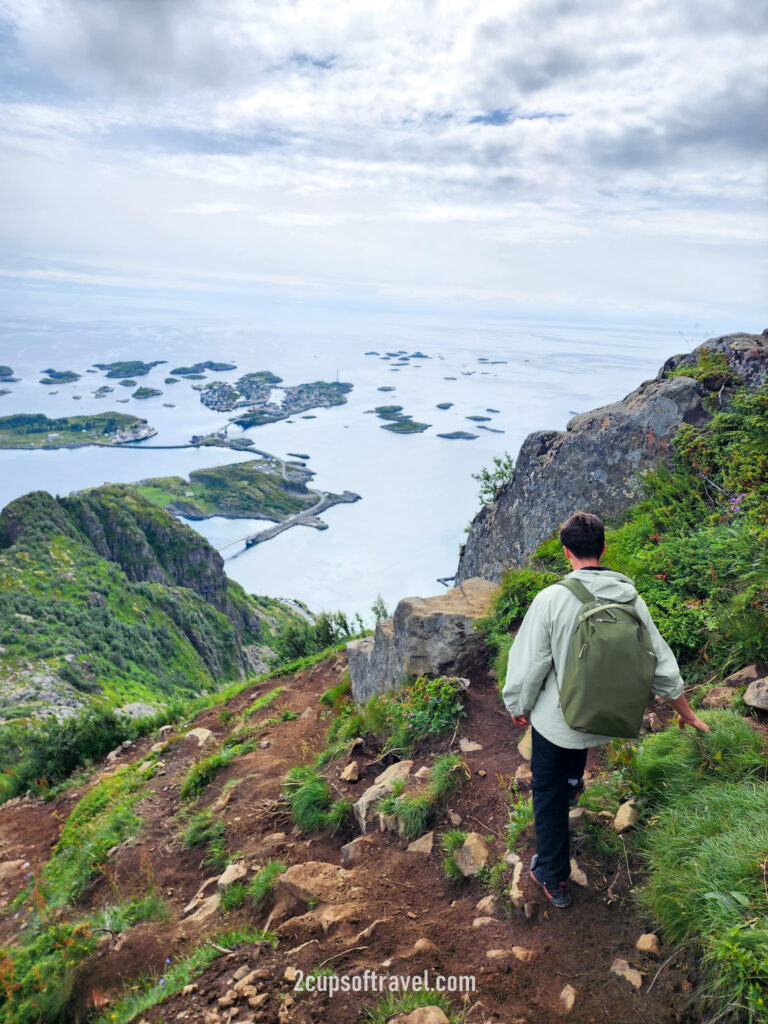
<point x="105" y="595"/>
<point x="597" y="461"/>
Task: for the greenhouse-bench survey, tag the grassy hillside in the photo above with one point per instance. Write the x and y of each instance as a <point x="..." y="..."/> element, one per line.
<point x="104" y="595"/>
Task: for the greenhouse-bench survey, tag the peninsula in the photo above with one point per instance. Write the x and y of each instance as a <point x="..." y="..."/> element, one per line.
<point x="264" y="488"/>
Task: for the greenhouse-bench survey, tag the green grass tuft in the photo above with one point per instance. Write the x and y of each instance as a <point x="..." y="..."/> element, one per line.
<point x="262" y="884"/>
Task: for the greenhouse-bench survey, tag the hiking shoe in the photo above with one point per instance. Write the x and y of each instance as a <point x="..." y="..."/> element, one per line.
<point x="574" y="792"/>
<point x="558" y="896"/>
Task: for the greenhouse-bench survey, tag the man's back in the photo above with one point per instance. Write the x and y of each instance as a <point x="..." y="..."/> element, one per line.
<point x="538" y="655"/>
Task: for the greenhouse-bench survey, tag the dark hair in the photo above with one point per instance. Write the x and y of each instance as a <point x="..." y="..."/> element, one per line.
<point x="583" y="534"/>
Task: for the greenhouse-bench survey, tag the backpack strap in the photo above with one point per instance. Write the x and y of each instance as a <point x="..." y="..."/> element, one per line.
<point x="585" y="596"/>
<point x="578" y="590"/>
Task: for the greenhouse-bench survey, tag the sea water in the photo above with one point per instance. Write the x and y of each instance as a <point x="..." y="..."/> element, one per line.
<point x="417" y="492"/>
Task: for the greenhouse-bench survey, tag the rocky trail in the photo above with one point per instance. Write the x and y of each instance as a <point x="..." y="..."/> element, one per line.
<point x="349" y="902"/>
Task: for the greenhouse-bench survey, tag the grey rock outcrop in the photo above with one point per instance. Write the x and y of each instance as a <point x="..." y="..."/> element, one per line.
<point x="433" y="635"/>
<point x="594" y="463"/>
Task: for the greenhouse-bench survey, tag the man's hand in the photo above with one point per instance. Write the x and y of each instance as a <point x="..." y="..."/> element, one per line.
<point x="687" y="716"/>
<point x="694" y="721"/>
<point x="520" y="720"/>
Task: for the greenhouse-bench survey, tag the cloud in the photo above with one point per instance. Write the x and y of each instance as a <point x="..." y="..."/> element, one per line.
<point x="243" y="131"/>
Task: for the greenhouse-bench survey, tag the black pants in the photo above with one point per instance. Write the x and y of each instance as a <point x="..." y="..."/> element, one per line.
<point x="552" y="766"/>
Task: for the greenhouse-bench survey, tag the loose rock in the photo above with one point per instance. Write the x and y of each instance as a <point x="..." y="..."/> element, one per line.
<point x="468" y="746"/>
<point x="365" y="808"/>
<point x="649" y="943"/>
<point x="756" y="694"/>
<point x="577" y="875"/>
<point x="525" y="746"/>
<point x="568" y="998"/>
<point x="351" y="773"/>
<point x="233" y="873"/>
<point x="423" y="845"/>
<point x="622" y="969"/>
<point x="626" y="816"/>
<point x="524" y="775"/>
<point x="202" y="736"/>
<point x="472" y="856"/>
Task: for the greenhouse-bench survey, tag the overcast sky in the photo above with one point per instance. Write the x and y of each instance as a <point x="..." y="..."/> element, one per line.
<point x="586" y="155"/>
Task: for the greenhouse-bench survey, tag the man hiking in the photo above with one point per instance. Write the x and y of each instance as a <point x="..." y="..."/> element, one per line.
<point x="539" y="667"/>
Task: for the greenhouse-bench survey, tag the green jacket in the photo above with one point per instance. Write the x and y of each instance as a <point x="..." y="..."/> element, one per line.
<point x="540" y="648"/>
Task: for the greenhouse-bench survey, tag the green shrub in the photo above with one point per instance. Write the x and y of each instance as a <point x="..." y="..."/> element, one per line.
<point x="207" y="768"/>
<point x="301" y="639"/>
<point x="493" y="480"/>
<point x="520" y="817"/>
<point x="420" y="708"/>
<point x="333" y="696"/>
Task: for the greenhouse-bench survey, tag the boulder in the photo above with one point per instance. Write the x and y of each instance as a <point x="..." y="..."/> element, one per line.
<point x="202" y="736"/>
<point x="743" y="677"/>
<point x="434" y="635"/>
<point x="365" y="808"/>
<point x="351" y="773"/>
<point x="594" y="463"/>
<point x="472" y="856"/>
<point x="756" y="694"/>
<point x="314" y="879"/>
<point x="720" y="697"/>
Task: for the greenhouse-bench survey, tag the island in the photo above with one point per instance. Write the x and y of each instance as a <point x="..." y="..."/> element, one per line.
<point x="6" y="375"/>
<point x="479" y="419"/>
<point x="264" y="488"/>
<point x="444" y="405"/>
<point x="459" y="435"/>
<point x="35" y="430"/>
<point x="59" y="376"/>
<point x="250" y="389"/>
<point x="129" y="383"/>
<point x="103" y="391"/>
<point x="318" y="394"/>
<point x="5" y="391"/>
<point x="188" y="371"/>
<point x="171" y="380"/>
<point x="128" y="368"/>
<point x="390" y="387"/>
<point x="399" y="422"/>
<point x="146" y="393"/>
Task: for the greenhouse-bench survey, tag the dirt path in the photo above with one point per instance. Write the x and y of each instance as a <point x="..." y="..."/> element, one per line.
<point x="392" y="899"/>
